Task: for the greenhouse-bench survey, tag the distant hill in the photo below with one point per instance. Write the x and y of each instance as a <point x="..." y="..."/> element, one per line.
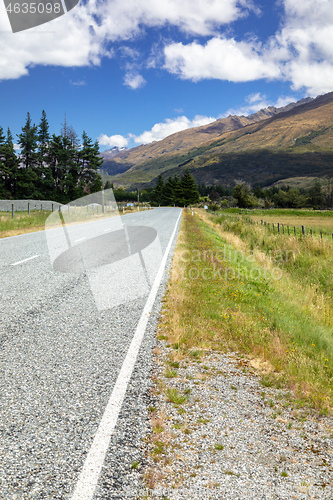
<point x="263" y="148"/>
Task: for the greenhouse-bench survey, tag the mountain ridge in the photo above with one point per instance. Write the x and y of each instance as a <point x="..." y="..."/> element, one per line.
<point x="303" y="127"/>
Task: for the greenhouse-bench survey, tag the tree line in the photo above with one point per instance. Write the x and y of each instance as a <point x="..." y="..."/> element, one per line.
<point x="60" y="167"/>
<point x="175" y="191"/>
<point x="318" y="196"/>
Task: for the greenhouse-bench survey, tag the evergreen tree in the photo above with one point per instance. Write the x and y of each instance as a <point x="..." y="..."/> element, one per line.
<point x="61" y="157"/>
<point x="179" y="199"/>
<point x="68" y="132"/>
<point x="90" y="162"/>
<point x="189" y="189"/>
<point x="157" y="198"/>
<point x="11" y="162"/>
<point x="28" y="143"/>
<point x="168" y="191"/>
<point x="43" y="139"/>
<point x="3" y="170"/>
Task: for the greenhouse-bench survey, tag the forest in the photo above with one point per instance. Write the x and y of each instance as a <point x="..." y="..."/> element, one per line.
<point x="54" y="167"/>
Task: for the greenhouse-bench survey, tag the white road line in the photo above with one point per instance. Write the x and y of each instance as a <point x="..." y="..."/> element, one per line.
<point x="80" y="239"/>
<point x="25" y="260"/>
<point x="93" y="464"/>
<point x="107" y="230"/>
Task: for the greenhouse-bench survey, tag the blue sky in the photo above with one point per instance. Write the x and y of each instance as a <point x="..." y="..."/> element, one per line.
<point x="132" y="71"/>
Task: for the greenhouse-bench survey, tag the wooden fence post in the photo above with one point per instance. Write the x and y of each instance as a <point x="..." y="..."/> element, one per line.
<point x="303" y="230"/>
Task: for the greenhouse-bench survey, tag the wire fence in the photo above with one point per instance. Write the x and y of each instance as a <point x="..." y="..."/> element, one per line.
<point x="285" y="229"/>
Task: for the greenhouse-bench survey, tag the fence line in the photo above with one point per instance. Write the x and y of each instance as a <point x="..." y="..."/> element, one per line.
<point x="27" y="205"/>
<point x="284" y="228"/>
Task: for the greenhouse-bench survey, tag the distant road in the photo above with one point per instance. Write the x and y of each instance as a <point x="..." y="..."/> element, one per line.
<point x="62" y="348"/>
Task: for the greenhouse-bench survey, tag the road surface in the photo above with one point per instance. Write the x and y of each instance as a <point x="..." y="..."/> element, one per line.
<point x="64" y="337"/>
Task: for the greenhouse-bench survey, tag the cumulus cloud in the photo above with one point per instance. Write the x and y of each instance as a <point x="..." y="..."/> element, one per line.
<point x="253" y="103"/>
<point x="303" y="46"/>
<point x="220" y="58"/>
<point x="134" y="80"/>
<point x="299" y="52"/>
<point x="256" y="102"/>
<point x="81" y="36"/>
<point x="118" y="141"/>
<point x="161" y="130"/>
<point x="158" y="132"/>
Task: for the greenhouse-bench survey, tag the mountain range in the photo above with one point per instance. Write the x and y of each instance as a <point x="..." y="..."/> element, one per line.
<point x="274" y="144"/>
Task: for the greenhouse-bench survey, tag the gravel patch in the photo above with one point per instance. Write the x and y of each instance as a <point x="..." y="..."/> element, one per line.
<point x="233" y="438"/>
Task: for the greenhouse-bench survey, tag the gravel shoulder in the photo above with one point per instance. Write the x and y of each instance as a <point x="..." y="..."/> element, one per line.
<point x="232" y="438"/>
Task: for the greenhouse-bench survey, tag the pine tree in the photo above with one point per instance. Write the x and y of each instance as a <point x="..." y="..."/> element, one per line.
<point x="61" y="157"/>
<point x="157" y="197"/>
<point x="68" y="132"/>
<point x="168" y="192"/>
<point x="43" y="139"/>
<point x="90" y="162"/>
<point x="3" y="169"/>
<point x="12" y="163"/>
<point x="28" y="143"/>
<point x="189" y="189"/>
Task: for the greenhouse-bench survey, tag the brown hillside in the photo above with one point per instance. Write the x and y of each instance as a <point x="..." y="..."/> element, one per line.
<point x="192" y="138"/>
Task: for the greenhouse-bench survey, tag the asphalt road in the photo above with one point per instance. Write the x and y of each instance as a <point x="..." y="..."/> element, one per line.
<point x="65" y="332"/>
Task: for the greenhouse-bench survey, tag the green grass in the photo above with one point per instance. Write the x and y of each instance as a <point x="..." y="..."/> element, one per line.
<point x="174" y="396"/>
<point x="279" y="311"/>
<point x="22" y="222"/>
<point x="35" y="221"/>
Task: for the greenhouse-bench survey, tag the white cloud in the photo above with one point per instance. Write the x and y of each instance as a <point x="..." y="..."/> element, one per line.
<point x="79" y="83"/>
<point x="253" y="103"/>
<point x="114" y="140"/>
<point x="300" y="52"/>
<point x="303" y="47"/>
<point x="81" y="36"/>
<point x="220" y="58"/>
<point x="256" y="102"/>
<point x="134" y="80"/>
<point x="161" y="130"/>
<point x="158" y="132"/>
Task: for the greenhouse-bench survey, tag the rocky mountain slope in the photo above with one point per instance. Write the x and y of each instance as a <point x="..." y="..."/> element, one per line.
<point x="265" y="147"/>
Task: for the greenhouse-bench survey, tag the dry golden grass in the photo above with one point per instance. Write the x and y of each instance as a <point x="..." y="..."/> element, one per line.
<point x="270" y="321"/>
<point x="317" y="223"/>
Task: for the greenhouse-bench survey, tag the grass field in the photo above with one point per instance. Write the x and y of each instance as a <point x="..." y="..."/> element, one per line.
<point x="316" y="220"/>
<point x="237" y="287"/>
<point x="23" y="223"/>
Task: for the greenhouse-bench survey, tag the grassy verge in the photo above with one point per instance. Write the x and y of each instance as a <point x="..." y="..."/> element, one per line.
<point x="235" y="286"/>
<point x="23" y="223"/>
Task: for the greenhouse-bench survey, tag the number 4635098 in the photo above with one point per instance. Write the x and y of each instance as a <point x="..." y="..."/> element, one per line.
<point x="34" y="8"/>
